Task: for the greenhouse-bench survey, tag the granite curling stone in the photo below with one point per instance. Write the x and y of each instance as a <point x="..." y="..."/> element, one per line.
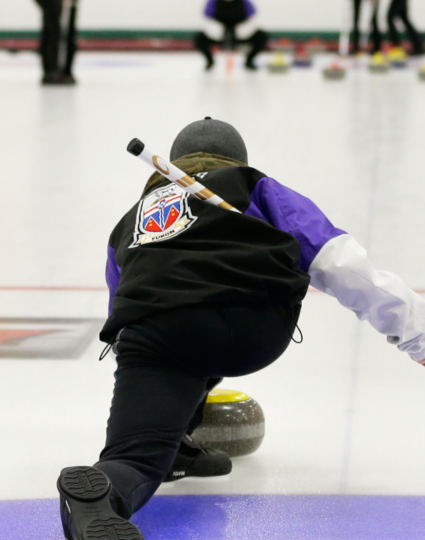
<point x="397" y="57"/>
<point x="379" y="63"/>
<point x="279" y="64"/>
<point x="233" y="422"/>
<point x="302" y="59"/>
<point x="334" y="72"/>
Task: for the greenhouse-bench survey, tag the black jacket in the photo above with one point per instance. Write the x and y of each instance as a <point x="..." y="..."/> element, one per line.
<point x="172" y="250"/>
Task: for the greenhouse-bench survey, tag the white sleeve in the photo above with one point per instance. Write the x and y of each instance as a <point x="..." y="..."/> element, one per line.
<point x="343" y="270"/>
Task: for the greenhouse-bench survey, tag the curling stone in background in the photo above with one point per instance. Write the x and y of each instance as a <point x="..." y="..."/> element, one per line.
<point x="278" y="65"/>
<point x="397" y="57"/>
<point x="422" y="73"/>
<point x="335" y="72"/>
<point x="379" y="63"/>
<point x="233" y="422"/>
<point x="302" y="58"/>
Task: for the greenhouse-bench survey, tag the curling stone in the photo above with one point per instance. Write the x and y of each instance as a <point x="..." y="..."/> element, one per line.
<point x="233" y="422"/>
<point x="334" y="72"/>
<point x="422" y="73"/>
<point x="397" y="57"/>
<point x="279" y="64"/>
<point x="302" y="59"/>
<point x="379" y="63"/>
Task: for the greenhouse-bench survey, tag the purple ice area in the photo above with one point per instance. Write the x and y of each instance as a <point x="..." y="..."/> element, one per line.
<point x="241" y="517"/>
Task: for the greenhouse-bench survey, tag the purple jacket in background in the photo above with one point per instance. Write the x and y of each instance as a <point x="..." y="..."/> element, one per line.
<point x="211" y="5"/>
<point x="293" y="213"/>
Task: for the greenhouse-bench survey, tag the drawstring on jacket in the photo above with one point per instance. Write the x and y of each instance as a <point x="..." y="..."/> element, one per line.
<point x="106" y="350"/>
<point x="112" y="344"/>
<point x="296" y="328"/>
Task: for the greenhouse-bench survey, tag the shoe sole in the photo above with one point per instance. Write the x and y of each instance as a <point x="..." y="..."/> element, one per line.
<point x="86" y="491"/>
<point x="111" y="529"/>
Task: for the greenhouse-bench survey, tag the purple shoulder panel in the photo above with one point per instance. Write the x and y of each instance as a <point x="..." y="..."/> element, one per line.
<point x="113" y="272"/>
<point x="293" y="213"/>
<point x="250" y="8"/>
<point x="210" y="8"/>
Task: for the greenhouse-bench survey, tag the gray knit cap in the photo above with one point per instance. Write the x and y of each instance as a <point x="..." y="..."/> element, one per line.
<point x="212" y="137"/>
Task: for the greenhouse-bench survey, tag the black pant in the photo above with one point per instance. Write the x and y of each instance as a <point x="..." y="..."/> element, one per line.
<point x="166" y="366"/>
<point x="58" y="37"/>
<point x="399" y="10"/>
<point x="230" y="14"/>
<point x="375" y="35"/>
<point x="230" y="41"/>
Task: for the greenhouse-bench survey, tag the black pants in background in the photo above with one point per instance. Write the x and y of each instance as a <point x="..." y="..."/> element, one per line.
<point x="375" y="35"/>
<point x="399" y="9"/>
<point x="166" y="366"/>
<point x="258" y="42"/>
<point x="58" y="43"/>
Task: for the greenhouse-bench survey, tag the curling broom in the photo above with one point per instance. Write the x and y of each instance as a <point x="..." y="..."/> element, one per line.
<point x="177" y="176"/>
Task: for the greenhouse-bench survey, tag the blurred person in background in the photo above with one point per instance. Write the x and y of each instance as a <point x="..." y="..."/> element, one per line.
<point x="58" y="41"/>
<point x="399" y="10"/>
<point x="231" y="13"/>
<point x="375" y="35"/>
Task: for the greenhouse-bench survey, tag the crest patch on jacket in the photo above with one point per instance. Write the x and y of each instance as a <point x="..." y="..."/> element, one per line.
<point x="161" y="215"/>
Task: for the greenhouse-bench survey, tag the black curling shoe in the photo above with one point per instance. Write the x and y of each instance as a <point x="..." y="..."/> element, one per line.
<point x="194" y="459"/>
<point x="85" y="510"/>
